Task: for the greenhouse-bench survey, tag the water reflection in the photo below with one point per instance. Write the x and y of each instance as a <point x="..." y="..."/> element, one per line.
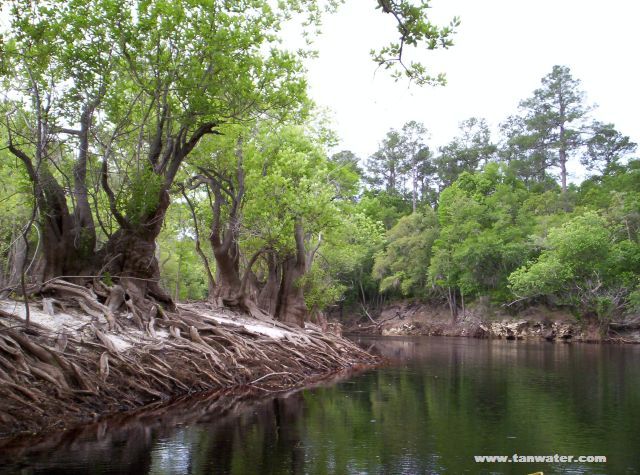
<point x="439" y="402"/>
<point x="197" y="434"/>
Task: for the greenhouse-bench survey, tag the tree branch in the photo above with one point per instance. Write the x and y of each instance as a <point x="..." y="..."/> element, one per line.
<point x="184" y="147"/>
<point x="203" y="257"/>
<point x="104" y="175"/>
<point x="247" y="271"/>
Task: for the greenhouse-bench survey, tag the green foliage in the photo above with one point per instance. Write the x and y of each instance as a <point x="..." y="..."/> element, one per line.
<point x="403" y="165"/>
<point x="601" y="190"/>
<point x="182" y="272"/>
<point x="467" y="152"/>
<point x="402" y="264"/>
<point x="140" y="197"/>
<point x="582" y="244"/>
<point x="583" y="265"/>
<point x="606" y="147"/>
<point x="549" y="131"/>
<point x="505" y="226"/>
<point x="474" y="219"/>
<point x="290" y="178"/>
<point x="341" y="260"/>
<point x="484" y="231"/>
<point x="385" y="167"/>
<point x="414" y="29"/>
<point x="383" y="207"/>
<point x="287" y="179"/>
<point x="345" y="173"/>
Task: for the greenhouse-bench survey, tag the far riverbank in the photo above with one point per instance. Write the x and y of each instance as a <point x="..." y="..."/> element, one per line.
<point x="536" y="323"/>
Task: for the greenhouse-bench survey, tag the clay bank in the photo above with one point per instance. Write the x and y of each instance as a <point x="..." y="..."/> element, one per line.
<point x="535" y="323"/>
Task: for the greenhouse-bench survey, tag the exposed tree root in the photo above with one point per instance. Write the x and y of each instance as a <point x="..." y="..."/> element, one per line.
<point x="119" y="361"/>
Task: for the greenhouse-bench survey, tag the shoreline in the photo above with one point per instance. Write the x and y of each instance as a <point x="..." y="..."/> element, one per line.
<point x="160" y="418"/>
<point x="417" y="319"/>
<point x="68" y="369"/>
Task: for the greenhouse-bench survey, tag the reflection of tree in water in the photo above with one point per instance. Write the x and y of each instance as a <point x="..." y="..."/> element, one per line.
<point x="265" y="439"/>
<point x="452" y="398"/>
<point x="446" y="401"/>
<point x="228" y="433"/>
<point x="218" y="431"/>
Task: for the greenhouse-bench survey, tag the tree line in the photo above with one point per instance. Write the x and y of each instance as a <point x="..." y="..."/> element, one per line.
<point x="475" y="221"/>
<point x="171" y="149"/>
<point x="499" y="222"/>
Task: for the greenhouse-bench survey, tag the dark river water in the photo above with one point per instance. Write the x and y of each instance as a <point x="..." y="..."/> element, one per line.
<point x="435" y="406"/>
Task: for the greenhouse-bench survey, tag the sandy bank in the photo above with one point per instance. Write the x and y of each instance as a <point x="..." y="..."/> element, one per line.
<point x="68" y="368"/>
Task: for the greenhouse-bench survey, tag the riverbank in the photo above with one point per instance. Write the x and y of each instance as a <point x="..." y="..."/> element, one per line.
<point x="68" y="368"/>
<point x="135" y="431"/>
<point x="524" y="397"/>
<point x="536" y="323"/>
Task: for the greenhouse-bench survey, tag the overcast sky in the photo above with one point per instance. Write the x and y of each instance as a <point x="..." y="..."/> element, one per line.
<point x="503" y="48"/>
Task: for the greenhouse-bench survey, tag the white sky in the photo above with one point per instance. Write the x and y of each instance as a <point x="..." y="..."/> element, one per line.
<point x="502" y="50"/>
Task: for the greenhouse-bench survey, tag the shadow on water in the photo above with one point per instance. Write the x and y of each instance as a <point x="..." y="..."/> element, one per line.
<point x="436" y="404"/>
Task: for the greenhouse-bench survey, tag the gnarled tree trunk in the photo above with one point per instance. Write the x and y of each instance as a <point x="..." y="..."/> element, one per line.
<point x="130" y="252"/>
<point x="291" y="307"/>
<point x="68" y="245"/>
<point x="230" y="288"/>
<point x="228" y="281"/>
<point x="268" y="296"/>
<point x="68" y="239"/>
<point x="130" y="255"/>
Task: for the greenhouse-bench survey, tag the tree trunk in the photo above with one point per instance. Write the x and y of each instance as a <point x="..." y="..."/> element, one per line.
<point x="84" y="226"/>
<point x="228" y="281"/>
<point x="563" y="169"/>
<point x="205" y="261"/>
<point x="226" y="251"/>
<point x="130" y="252"/>
<point x="16" y="260"/>
<point x="67" y="247"/>
<point x="268" y="297"/>
<point x="291" y="307"/>
<point x="562" y="150"/>
<point x="251" y="285"/>
<point x="453" y="305"/>
<point x="130" y="255"/>
<point x="414" y="195"/>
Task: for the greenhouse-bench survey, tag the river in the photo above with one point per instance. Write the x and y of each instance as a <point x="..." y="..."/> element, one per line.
<point x="438" y="403"/>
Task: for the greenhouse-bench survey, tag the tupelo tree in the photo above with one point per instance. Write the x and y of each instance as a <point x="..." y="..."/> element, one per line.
<point x="271" y="195"/>
<point x="106" y="100"/>
<point x="283" y="227"/>
<point x="110" y="97"/>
